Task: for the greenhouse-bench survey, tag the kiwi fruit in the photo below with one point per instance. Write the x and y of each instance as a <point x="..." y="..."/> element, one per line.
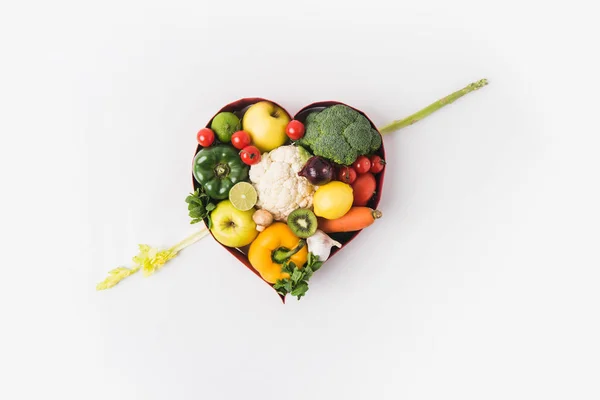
<point x="303" y="222"/>
<point x="224" y="125"/>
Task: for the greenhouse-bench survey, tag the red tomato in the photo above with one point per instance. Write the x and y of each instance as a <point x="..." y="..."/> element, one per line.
<point x="250" y="155"/>
<point x="295" y="129"/>
<point x="377" y="164"/>
<point x="362" y="164"/>
<point x="240" y="139"/>
<point x="363" y="189"/>
<point x="347" y="175"/>
<point x="205" y="137"/>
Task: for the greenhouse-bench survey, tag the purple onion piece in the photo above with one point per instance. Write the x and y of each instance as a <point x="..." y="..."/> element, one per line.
<point x="317" y="170"/>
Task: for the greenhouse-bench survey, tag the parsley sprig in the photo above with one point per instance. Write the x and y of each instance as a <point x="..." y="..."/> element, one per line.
<point x="199" y="206"/>
<point x="297" y="283"/>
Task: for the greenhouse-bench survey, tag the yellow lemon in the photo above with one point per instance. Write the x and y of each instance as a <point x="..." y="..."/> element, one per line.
<point x="333" y="200"/>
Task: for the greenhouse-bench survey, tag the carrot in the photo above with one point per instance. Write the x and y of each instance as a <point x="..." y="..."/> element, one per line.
<point x="354" y="220"/>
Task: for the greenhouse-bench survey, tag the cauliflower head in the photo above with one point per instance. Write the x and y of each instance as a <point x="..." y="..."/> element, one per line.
<point x="280" y="189"/>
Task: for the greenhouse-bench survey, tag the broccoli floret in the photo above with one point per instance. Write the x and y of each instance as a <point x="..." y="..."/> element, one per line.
<point x="339" y="133"/>
<point x="311" y="130"/>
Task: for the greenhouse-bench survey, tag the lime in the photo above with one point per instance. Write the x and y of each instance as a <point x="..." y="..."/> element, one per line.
<point x="225" y="124"/>
<point x="243" y="196"/>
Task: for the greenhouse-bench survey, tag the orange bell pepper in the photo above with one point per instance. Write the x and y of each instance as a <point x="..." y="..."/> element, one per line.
<point x="274" y="246"/>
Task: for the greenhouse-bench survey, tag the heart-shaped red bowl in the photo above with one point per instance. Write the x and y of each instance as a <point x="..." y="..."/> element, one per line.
<point x="239" y="107"/>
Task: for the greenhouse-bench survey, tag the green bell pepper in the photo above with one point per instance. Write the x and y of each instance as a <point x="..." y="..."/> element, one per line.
<point x="217" y="169"/>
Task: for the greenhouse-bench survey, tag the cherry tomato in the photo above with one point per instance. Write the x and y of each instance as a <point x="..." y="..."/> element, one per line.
<point x="377" y="164"/>
<point x="347" y="175"/>
<point x="240" y="139"/>
<point x="205" y="137"/>
<point x="362" y="165"/>
<point x="250" y="155"/>
<point x="295" y="129"/>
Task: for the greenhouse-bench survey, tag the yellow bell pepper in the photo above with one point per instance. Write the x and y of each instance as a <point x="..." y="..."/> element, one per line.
<point x="274" y="246"/>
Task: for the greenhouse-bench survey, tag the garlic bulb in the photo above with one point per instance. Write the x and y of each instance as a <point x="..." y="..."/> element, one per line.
<point x="320" y="245"/>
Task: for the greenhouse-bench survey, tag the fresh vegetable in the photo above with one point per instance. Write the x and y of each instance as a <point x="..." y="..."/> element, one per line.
<point x="433" y="107"/>
<point x="240" y="139"/>
<point x="363" y="188"/>
<point x="149" y="260"/>
<point x="243" y="196"/>
<point x="224" y="124"/>
<point x="377" y="164"/>
<point x="340" y="134"/>
<point x="347" y="175"/>
<point x="317" y="170"/>
<point x="295" y="130"/>
<point x="297" y="283"/>
<point x="303" y="222"/>
<point x="217" y="169"/>
<point x="266" y="123"/>
<point x="354" y="220"/>
<point x="199" y="206"/>
<point x="232" y="227"/>
<point x="205" y="137"/>
<point x="362" y="165"/>
<point x="333" y="200"/>
<point x="262" y="218"/>
<point x="320" y="245"/>
<point x="273" y="247"/>
<point x="250" y="155"/>
<point x="275" y="178"/>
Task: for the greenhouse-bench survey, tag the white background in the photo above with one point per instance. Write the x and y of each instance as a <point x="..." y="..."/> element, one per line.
<point x="480" y="282"/>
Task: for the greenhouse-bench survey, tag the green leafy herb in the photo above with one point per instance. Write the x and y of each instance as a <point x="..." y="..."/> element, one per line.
<point x="300" y="289"/>
<point x="199" y="206"/>
<point x="296" y="275"/>
<point x="313" y="262"/>
<point x="297" y="283"/>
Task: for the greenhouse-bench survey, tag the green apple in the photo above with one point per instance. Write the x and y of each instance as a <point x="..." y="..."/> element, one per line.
<point x="266" y="123"/>
<point x="232" y="227"/>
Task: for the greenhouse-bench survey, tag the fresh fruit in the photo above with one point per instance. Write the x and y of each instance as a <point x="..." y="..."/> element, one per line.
<point x="243" y="196"/>
<point x="266" y="123"/>
<point x="232" y="227"/>
<point x="250" y="155"/>
<point x="303" y="222"/>
<point x="362" y="165"/>
<point x="354" y="220"/>
<point x="217" y="169"/>
<point x="295" y="129"/>
<point x="205" y="137"/>
<point x="240" y="139"/>
<point x="377" y="164"/>
<point x="364" y="188"/>
<point x="347" y="175"/>
<point x="224" y="124"/>
<point x="332" y="200"/>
